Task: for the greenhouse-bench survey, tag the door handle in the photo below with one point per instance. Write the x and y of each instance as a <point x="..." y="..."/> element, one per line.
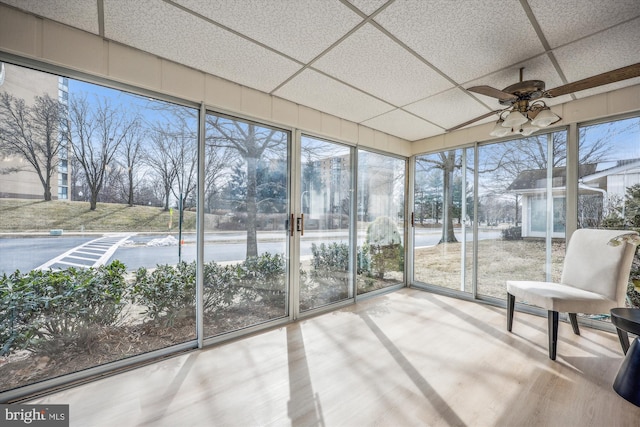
<point x="300" y="224"/>
<point x="291" y="225"/>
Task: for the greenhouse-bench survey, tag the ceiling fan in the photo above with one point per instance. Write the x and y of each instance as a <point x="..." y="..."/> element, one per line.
<point x="525" y="112"/>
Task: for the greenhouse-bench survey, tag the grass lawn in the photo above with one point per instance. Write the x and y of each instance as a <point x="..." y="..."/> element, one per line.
<point x="498" y="261"/>
<point x="18" y="215"/>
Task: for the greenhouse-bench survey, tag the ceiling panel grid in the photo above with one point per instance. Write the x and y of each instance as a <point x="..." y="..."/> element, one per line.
<point x="398" y="66"/>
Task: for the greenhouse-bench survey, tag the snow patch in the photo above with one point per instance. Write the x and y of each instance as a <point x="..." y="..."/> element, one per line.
<point x="164" y="241"/>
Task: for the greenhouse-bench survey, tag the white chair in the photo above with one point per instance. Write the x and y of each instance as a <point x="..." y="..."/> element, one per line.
<point x="594" y="280"/>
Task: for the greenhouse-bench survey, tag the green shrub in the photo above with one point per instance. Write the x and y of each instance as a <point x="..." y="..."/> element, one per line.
<point x="18" y="313"/>
<point x="220" y="288"/>
<point x="383" y="232"/>
<point x="512" y="233"/>
<point x="168" y="293"/>
<point x="45" y="310"/>
<point x="613" y="221"/>
<point x="384" y="246"/>
<point x="334" y="257"/>
<point x="263" y="276"/>
<point x="329" y="258"/>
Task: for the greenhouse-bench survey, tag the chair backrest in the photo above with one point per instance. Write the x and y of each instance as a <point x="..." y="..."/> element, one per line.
<point x="592" y="264"/>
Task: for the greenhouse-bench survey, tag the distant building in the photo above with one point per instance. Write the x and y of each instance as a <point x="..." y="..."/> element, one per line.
<point x="329" y="199"/>
<point x="24" y="184"/>
<point x="598" y="183"/>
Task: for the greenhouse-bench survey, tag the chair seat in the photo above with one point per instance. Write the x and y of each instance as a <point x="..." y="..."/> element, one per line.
<point x="558" y="297"/>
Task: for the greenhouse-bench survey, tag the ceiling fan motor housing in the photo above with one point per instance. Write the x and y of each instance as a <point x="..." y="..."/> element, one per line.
<point x="526" y="90"/>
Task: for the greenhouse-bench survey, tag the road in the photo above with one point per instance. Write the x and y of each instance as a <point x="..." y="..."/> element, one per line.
<point x="27" y="253"/>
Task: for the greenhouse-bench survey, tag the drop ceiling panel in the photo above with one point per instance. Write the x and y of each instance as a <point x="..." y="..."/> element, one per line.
<point x="171" y="33"/>
<point x="465" y="40"/>
<point x="79" y="14"/>
<point x="371" y="61"/>
<point x="403" y="125"/>
<point x="368" y="6"/>
<point x="263" y="43"/>
<point x="567" y="21"/>
<point x="448" y="108"/>
<point x="301" y="29"/>
<point x="602" y="52"/>
<point x="323" y="93"/>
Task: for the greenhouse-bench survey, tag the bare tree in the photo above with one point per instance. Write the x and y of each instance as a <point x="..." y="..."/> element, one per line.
<point x="178" y="156"/>
<point x="216" y="161"/>
<point x="447" y="162"/>
<point x="131" y="153"/>
<point x="96" y="131"/>
<point x="251" y="142"/>
<point x="159" y="159"/>
<point x="33" y="132"/>
<point x="183" y="155"/>
<point x="508" y="160"/>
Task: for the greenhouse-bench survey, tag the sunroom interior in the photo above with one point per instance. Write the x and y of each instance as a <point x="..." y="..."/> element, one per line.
<point x="322" y="218"/>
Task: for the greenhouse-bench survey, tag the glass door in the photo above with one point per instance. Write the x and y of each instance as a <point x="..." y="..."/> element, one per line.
<point x="443" y="218"/>
<point x="326" y="190"/>
<point x="381" y="221"/>
<point x="246" y="206"/>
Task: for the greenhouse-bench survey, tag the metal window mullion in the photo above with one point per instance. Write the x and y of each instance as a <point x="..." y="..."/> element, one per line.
<point x="549" y="189"/>
<point x="353" y="232"/>
<point x="474" y="278"/>
<point x="410" y="225"/>
<point x="200" y="229"/>
<point x="572" y="181"/>
<point x="463" y="208"/>
<point x="295" y="205"/>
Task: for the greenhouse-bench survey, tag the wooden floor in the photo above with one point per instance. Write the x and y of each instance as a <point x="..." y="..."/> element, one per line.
<point x="408" y="358"/>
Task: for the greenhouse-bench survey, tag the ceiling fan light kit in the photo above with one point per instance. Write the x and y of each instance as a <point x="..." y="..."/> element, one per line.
<point x="499" y="130"/>
<point x="526" y="112"/>
<point x="528" y="128"/>
<point x="514" y="119"/>
<point x="545" y="118"/>
<point x="524" y="119"/>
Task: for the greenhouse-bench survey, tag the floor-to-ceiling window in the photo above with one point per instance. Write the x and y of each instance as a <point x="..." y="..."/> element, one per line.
<point x="106" y="272"/>
<point x="381" y="221"/>
<point x="443" y="218"/>
<point x="521" y="211"/>
<point x="609" y="181"/>
<point x="326" y="199"/>
<point x="246" y="207"/>
<point x="111" y="272"/>
<point x="510" y="194"/>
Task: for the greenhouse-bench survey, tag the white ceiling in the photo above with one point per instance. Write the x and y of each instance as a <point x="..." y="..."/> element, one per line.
<point x="399" y="66"/>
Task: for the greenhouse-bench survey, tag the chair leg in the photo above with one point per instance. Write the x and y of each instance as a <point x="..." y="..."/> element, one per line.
<point x="553" y="333"/>
<point x="511" y="302"/>
<point x="623" y="336"/>
<point x="574" y="323"/>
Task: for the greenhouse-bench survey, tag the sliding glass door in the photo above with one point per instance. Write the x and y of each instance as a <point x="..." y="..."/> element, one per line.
<point x="381" y="221"/>
<point x="246" y="208"/>
<point x="442" y="219"/>
<point x="326" y="267"/>
<point x="521" y="213"/>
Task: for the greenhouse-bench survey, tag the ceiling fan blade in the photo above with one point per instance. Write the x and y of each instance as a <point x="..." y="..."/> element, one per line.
<point x="490" y="113"/>
<point x="613" y="76"/>
<point x="492" y="92"/>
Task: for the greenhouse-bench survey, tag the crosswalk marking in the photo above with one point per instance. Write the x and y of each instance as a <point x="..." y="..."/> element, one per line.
<point x="95" y="253"/>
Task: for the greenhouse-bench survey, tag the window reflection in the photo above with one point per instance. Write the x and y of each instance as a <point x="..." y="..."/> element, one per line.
<point x="609" y="185"/>
<point x="380" y="218"/>
<point x="98" y="201"/>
